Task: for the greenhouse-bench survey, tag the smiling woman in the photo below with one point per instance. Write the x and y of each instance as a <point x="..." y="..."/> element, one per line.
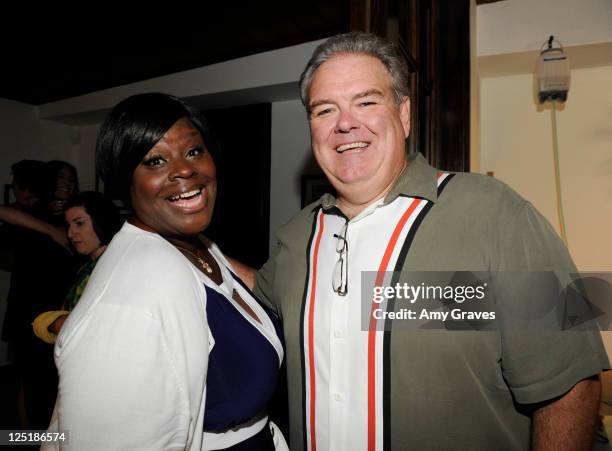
<point x="167" y="349"/>
<point x="174" y="188"/>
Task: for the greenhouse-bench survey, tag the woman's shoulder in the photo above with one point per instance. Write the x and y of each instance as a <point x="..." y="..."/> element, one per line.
<point x="137" y="261"/>
<point x="141" y="250"/>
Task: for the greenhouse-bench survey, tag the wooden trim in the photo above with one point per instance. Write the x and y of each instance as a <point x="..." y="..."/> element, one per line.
<point x="359" y="15"/>
<point x="379" y="13"/>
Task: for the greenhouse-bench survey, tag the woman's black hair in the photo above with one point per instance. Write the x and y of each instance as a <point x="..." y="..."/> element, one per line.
<point x="53" y="168"/>
<point x="132" y="128"/>
<point x="104" y="214"/>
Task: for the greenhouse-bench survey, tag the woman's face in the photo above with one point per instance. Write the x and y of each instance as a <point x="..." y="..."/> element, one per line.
<point x="81" y="232"/>
<point x="174" y="187"/>
<point x="66" y="181"/>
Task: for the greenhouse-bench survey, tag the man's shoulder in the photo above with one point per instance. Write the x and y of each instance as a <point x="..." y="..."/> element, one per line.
<point x="482" y="190"/>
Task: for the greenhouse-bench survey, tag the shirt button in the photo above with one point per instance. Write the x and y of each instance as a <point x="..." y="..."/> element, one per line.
<point x="338" y="333"/>
<point x="338" y="397"/>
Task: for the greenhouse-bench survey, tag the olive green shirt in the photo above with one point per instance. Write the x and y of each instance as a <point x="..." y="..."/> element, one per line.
<point x="449" y="389"/>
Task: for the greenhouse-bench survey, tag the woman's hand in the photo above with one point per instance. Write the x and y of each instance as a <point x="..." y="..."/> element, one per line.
<point x="246" y="273"/>
<point x="47" y="325"/>
<point x="56" y="325"/>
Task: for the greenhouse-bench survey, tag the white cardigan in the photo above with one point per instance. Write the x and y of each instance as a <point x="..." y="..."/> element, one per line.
<point x="132" y="356"/>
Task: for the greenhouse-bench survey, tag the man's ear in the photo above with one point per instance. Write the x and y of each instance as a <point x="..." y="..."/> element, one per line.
<point x="404" y="109"/>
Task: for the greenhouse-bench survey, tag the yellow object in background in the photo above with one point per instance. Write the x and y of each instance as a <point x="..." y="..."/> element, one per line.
<point x="43" y="321"/>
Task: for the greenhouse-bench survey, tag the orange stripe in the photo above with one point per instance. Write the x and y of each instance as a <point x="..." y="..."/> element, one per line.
<point x="372" y="330"/>
<point x="313" y="288"/>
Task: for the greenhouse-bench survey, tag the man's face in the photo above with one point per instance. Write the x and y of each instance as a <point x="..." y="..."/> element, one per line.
<point x="358" y="131"/>
<point x="23" y="196"/>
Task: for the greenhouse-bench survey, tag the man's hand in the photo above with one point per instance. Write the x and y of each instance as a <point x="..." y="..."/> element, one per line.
<point x="20" y="218"/>
<point x="58" y="234"/>
<point x="56" y="207"/>
<point x="568" y="422"/>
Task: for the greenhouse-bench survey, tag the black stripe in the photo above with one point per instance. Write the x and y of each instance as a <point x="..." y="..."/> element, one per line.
<point x="444" y="183"/>
<point x="302" y="354"/>
<point x="401" y="260"/>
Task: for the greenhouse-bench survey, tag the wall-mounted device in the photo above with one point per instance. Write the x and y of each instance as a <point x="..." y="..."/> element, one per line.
<point x="553" y="73"/>
<point x="553" y="77"/>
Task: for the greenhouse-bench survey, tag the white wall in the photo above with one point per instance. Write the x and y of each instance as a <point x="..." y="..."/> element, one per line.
<point x="268" y="76"/>
<point x="19" y="130"/>
<point x="515" y="136"/>
<point x="84" y="154"/>
<point x="290" y="155"/>
<point x="25" y="136"/>
<point x="516" y="143"/>
<point x="521" y="25"/>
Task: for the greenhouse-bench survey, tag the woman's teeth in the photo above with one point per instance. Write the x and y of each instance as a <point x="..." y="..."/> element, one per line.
<point x="187" y="195"/>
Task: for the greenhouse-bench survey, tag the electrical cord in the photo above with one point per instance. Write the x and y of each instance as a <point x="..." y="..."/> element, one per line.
<point x="557" y="172"/>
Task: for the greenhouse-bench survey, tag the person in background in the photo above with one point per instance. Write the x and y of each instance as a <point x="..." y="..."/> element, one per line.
<point x="27" y="176"/>
<point x="41" y="274"/>
<point x="166" y="349"/>
<point x="62" y="183"/>
<point x="92" y="220"/>
<point x="40" y="208"/>
<point x="27" y="181"/>
<point x="28" y="185"/>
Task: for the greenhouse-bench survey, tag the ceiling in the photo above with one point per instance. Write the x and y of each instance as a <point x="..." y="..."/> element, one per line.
<point x="55" y="59"/>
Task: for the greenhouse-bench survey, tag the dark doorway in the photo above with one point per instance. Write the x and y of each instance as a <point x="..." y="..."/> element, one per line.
<point x="241" y="221"/>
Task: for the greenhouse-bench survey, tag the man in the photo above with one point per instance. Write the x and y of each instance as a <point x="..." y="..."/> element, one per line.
<point x="27" y="182"/>
<point x="352" y="388"/>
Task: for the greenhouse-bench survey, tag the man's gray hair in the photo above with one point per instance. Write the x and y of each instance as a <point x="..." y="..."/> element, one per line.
<point x="361" y="43"/>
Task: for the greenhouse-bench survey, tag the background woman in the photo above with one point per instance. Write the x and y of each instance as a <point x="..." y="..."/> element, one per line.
<point x="62" y="183"/>
<point x="166" y="349"/>
<point x="92" y="220"/>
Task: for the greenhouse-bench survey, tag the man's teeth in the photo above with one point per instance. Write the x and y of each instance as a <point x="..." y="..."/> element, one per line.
<point x="348" y="146"/>
<point x="186" y="195"/>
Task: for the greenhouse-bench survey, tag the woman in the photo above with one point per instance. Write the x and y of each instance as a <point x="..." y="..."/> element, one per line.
<point x="166" y="349"/>
<point x="92" y="220"/>
<point x="62" y="183"/>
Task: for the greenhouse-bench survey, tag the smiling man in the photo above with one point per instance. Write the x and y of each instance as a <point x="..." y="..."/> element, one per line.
<point x="362" y="388"/>
<point x="358" y="127"/>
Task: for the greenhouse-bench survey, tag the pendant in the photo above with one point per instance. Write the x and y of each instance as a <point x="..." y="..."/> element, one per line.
<point x="205" y="265"/>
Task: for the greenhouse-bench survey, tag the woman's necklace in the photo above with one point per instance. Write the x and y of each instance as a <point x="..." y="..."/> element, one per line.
<point x="205" y="265"/>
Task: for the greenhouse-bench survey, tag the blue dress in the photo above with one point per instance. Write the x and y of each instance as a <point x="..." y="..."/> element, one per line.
<point x="244" y="362"/>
